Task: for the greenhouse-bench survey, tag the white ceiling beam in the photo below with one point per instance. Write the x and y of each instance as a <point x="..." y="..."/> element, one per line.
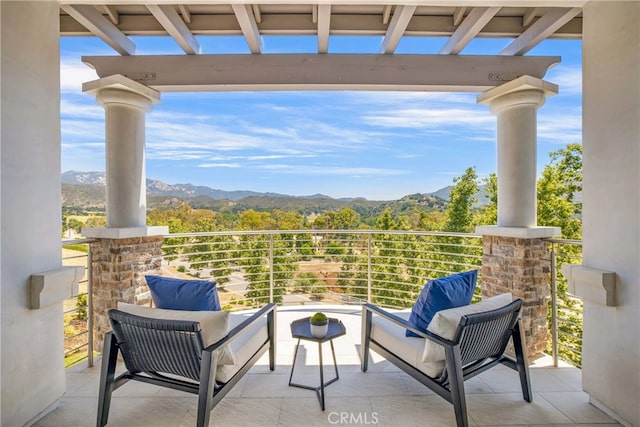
<point x="470" y="27"/>
<point x="174" y="73"/>
<point x="458" y="15"/>
<point x="324" y="26"/>
<point x="249" y="26"/>
<point x="257" y="13"/>
<point x="386" y="15"/>
<point x="113" y="14"/>
<point x="300" y="24"/>
<point x="548" y="24"/>
<point x="401" y="17"/>
<point x="186" y="13"/>
<point x="104" y="29"/>
<point x="175" y="26"/>
<point x="528" y="16"/>
<point x="434" y="3"/>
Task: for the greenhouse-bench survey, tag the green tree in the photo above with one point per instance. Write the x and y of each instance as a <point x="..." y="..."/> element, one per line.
<point x="96" y="221"/>
<point x="558" y="187"/>
<point x="488" y="214"/>
<point x="558" y="190"/>
<point x="346" y="219"/>
<point x="310" y="282"/>
<point x="325" y="221"/>
<point x="287" y="220"/>
<point x="252" y="220"/>
<point x="461" y="201"/>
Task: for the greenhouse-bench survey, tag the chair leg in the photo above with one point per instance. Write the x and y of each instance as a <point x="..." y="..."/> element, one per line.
<point x="271" y="328"/>
<point x="521" y="361"/>
<point x="366" y="333"/>
<point x="207" y="387"/>
<point x="456" y="385"/>
<point x="107" y="374"/>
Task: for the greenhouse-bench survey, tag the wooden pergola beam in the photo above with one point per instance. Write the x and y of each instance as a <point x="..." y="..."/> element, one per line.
<point x="186" y="73"/>
<point x="95" y="22"/>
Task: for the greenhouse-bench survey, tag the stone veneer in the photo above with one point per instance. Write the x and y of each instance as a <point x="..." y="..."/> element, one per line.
<point x="119" y="267"/>
<point x="520" y="266"/>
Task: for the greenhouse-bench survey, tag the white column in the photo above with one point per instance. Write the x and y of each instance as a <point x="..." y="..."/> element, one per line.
<point x="611" y="204"/>
<point x="31" y="346"/>
<point x="126" y="103"/>
<point x="516" y="103"/>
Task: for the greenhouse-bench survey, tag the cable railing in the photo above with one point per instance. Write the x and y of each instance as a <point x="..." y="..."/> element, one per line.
<point x="565" y="309"/>
<point x="310" y="267"/>
<point x="78" y="342"/>
<point x="388" y="268"/>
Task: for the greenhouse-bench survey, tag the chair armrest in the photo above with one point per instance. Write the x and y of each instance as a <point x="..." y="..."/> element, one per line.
<point x="235" y="332"/>
<point x="401" y="322"/>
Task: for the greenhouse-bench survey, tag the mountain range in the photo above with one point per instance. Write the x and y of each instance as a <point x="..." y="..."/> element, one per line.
<point x="87" y="190"/>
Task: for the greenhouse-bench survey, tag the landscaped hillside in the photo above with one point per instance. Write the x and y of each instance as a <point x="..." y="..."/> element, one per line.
<point x="86" y="190"/>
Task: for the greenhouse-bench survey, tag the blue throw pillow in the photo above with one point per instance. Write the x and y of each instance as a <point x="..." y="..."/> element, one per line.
<point x="180" y="294"/>
<point x="442" y="294"/>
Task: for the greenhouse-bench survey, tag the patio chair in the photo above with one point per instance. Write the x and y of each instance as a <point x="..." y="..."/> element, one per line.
<point x="478" y="344"/>
<point x="175" y="353"/>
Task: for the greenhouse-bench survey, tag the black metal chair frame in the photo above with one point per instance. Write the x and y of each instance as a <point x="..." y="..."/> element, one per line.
<point x="479" y="344"/>
<point x="152" y="348"/>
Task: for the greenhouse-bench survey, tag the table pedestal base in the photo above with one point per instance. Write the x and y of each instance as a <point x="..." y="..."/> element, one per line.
<point x="320" y="389"/>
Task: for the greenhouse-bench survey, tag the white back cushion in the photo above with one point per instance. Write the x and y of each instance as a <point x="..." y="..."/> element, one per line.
<point x="445" y="323"/>
<point x="214" y="325"/>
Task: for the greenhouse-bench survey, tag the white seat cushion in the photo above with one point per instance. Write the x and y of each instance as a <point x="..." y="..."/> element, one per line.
<point x="245" y="345"/>
<point x="410" y="349"/>
<point x="214" y="325"/>
<point x="445" y="323"/>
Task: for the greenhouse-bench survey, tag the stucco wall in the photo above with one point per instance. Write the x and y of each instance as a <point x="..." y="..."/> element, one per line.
<point x="611" y="129"/>
<point x="32" y="365"/>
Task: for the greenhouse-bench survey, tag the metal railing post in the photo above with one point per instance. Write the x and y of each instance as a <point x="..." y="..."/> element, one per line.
<point x="554" y="307"/>
<point x="369" y="268"/>
<point x="89" y="307"/>
<point x="271" y="268"/>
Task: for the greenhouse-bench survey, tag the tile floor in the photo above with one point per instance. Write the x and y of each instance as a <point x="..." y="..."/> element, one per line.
<point x="384" y="396"/>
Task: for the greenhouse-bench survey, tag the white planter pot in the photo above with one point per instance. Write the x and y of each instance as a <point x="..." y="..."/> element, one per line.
<point x="319" y="331"/>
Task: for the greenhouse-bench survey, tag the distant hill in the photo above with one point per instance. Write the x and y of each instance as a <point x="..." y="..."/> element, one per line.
<point x="159" y="188"/>
<point x="445" y="194"/>
<point x="89" y="178"/>
<point x="83" y="195"/>
<point x="87" y="190"/>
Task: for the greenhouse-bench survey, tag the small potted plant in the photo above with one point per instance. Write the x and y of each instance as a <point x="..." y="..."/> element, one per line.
<point x="319" y="325"/>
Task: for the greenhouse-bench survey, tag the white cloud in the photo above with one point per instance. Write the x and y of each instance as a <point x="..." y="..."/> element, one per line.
<point x="73" y="73"/>
<point x="282" y="156"/>
<point x="85" y="110"/>
<point x="402" y="98"/>
<point x="439" y="119"/>
<point x="219" y="165"/>
<point x="332" y="170"/>
<point x="78" y="129"/>
<point x="568" y="79"/>
<point x="560" y="128"/>
<point x="408" y="156"/>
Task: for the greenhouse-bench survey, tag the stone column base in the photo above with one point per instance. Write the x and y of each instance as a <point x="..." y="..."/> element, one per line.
<point x="522" y="267"/>
<point x="119" y="267"/>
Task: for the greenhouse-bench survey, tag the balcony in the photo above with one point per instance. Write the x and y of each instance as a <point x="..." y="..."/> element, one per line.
<point x="310" y="267"/>
<point x="349" y="267"/>
<point x="384" y="395"/>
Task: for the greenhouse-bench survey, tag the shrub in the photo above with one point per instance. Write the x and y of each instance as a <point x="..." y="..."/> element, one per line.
<point x="81" y="304"/>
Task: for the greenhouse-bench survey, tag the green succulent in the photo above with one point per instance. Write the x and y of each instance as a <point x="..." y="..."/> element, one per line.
<point x="319" y="319"/>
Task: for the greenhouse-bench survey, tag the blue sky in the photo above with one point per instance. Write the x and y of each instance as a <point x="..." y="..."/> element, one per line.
<point x="378" y="145"/>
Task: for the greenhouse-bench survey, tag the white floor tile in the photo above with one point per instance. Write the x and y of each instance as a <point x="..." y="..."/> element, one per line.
<point x="383" y="396"/>
<point x="576" y="406"/>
